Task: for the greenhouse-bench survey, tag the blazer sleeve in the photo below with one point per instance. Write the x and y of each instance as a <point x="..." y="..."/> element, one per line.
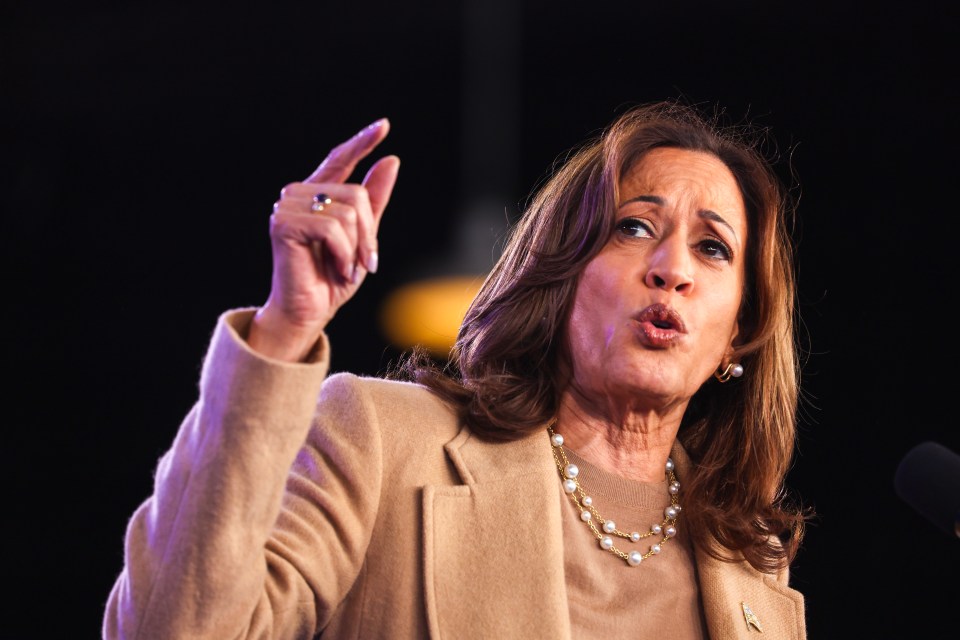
<point x="261" y="511"/>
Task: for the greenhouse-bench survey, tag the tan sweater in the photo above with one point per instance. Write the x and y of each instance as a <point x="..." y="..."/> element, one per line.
<point x="610" y="599"/>
<point x="371" y="513"/>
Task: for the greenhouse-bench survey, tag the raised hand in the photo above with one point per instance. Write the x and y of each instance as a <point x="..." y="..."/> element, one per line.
<point x="323" y="234"/>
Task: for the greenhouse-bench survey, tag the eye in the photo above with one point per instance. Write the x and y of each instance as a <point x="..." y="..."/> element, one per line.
<point x="634" y="227"/>
<point x="716" y="249"/>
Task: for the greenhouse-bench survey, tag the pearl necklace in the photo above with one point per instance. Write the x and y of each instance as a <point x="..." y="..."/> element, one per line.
<point x="589" y="515"/>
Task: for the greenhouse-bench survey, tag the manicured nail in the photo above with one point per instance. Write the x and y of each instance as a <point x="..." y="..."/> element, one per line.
<point x="373" y="261"/>
<point x="355" y="276"/>
<point x="374" y="125"/>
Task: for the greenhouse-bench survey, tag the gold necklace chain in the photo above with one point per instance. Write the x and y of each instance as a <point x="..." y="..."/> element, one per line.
<point x="569" y="478"/>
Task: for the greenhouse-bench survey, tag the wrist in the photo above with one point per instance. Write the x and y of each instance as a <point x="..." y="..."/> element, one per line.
<point x="279" y="339"/>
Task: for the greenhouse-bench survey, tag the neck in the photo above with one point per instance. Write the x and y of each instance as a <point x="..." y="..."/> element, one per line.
<point x="631" y="442"/>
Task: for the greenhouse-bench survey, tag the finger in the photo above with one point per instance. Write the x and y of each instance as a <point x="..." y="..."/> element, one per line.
<point x="347" y="217"/>
<point x="337" y="242"/>
<point x="300" y="195"/>
<point x="379" y="181"/>
<point x="343" y="159"/>
<point x="326" y="230"/>
<point x="345" y="214"/>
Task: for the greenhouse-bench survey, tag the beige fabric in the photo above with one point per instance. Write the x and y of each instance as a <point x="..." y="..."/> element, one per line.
<point x="369" y="514"/>
<point x="607" y="597"/>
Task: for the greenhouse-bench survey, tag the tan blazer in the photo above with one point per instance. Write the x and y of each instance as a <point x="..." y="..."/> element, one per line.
<point x="373" y="514"/>
<point x="456" y="513"/>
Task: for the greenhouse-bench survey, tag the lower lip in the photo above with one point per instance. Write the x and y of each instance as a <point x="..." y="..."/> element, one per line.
<point x="653" y="336"/>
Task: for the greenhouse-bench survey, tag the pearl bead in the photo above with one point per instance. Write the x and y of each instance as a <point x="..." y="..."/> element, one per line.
<point x="737" y="370"/>
<point x="569" y="474"/>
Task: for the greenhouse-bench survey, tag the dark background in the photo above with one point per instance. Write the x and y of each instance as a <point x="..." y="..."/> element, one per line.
<point x="144" y="144"/>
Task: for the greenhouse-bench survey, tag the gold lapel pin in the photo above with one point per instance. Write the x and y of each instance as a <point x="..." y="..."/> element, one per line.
<point x="751" y="617"/>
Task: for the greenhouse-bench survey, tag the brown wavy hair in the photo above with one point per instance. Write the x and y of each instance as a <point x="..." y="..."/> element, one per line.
<point x="506" y="371"/>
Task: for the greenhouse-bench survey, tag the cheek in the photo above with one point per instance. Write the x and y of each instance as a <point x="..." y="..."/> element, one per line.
<point x="727" y="329"/>
<point x="582" y="326"/>
<point x="595" y="346"/>
<point x="603" y="298"/>
<point x="718" y="310"/>
<point x="589" y="329"/>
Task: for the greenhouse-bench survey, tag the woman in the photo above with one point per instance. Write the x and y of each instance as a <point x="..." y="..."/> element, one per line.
<point x="605" y="459"/>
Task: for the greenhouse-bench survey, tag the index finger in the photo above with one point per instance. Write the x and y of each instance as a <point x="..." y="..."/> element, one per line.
<point x="343" y="159"/>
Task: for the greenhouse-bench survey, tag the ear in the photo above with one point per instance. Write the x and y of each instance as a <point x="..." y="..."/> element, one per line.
<point x="734" y="343"/>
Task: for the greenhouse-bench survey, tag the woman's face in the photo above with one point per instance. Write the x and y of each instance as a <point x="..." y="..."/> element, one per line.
<point x="655" y="311"/>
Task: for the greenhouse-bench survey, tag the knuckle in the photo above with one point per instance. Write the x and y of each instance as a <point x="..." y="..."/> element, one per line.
<point x="284" y="224"/>
<point x="356" y="196"/>
<point x="356" y="192"/>
<point x="289" y="188"/>
<point x="323" y="223"/>
<point x="277" y="224"/>
<point x="284" y="206"/>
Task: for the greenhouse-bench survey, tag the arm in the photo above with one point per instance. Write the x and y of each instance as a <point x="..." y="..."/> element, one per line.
<point x="208" y="555"/>
<point x="228" y="546"/>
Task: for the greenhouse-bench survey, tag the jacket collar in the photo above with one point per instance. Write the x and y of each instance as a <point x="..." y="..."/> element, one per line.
<point x="740" y="602"/>
<point x="510" y="502"/>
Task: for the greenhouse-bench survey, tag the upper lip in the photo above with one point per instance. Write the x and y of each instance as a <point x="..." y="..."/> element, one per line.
<point x="663" y="317"/>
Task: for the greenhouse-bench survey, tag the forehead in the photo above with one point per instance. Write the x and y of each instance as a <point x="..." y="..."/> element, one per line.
<point x="668" y="171"/>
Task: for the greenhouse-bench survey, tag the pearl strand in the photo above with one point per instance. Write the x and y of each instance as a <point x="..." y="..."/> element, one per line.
<point x="590" y="516"/>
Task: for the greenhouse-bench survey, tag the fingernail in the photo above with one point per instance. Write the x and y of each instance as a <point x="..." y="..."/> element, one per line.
<point x="373" y="261"/>
<point x="375" y="125"/>
<point x="355" y="276"/>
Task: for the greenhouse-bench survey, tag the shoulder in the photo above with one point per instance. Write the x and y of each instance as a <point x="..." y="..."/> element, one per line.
<point x="392" y="404"/>
<point x="391" y="396"/>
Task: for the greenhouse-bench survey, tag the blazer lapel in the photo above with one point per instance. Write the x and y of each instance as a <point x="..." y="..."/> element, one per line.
<point x="493" y="556"/>
<point x="739" y="602"/>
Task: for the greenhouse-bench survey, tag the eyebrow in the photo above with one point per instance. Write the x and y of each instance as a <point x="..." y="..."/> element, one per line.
<point x="654" y="199"/>
<point x="703" y="213"/>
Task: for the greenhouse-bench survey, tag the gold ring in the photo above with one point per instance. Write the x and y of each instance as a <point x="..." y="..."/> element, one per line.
<point x="320" y="201"/>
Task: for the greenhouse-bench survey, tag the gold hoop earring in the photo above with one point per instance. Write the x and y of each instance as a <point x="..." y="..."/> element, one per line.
<point x="733" y="370"/>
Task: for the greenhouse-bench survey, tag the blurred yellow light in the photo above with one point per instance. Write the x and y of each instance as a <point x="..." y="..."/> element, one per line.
<point x="428" y="312"/>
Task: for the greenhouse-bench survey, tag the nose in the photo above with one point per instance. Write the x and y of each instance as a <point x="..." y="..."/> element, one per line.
<point x="670" y="267"/>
